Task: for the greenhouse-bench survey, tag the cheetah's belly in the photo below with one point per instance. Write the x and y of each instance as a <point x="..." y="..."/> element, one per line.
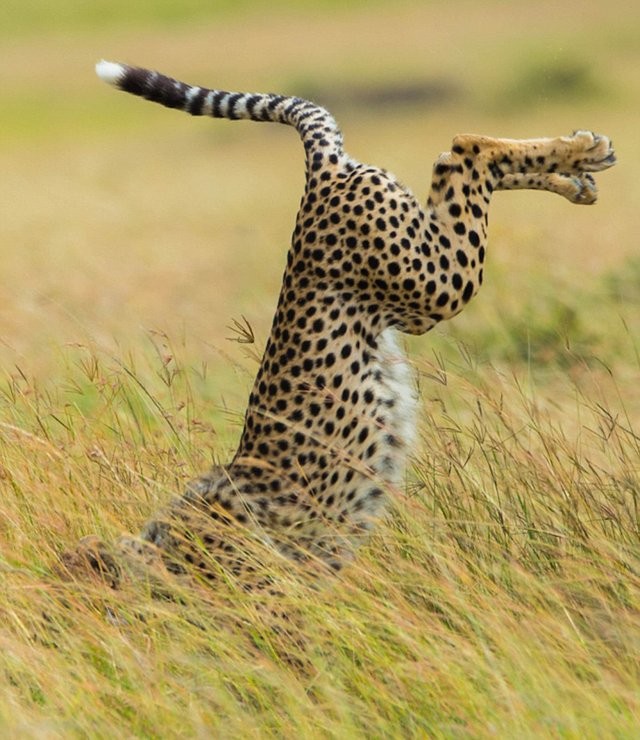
<point x="364" y="481"/>
<point x="399" y="407"/>
<point x="393" y="431"/>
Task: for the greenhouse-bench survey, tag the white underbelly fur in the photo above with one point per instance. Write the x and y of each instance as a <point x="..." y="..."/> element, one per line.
<point x="397" y="384"/>
<point x="400" y="382"/>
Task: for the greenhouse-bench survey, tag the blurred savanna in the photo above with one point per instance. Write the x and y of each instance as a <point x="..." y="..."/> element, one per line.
<point x="140" y="249"/>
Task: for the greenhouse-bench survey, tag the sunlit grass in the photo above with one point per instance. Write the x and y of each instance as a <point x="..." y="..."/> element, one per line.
<point x="500" y="596"/>
<point x="501" y="593"/>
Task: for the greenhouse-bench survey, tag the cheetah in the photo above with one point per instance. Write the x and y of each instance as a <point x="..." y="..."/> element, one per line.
<point x="332" y="412"/>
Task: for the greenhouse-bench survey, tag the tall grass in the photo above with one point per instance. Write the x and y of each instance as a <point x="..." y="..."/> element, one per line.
<point x="500" y="597"/>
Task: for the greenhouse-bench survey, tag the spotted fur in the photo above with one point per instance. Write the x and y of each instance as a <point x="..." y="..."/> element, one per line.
<point x="332" y="412"/>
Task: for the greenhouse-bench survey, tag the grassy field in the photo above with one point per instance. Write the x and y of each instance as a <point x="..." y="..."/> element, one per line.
<point x="501" y="596"/>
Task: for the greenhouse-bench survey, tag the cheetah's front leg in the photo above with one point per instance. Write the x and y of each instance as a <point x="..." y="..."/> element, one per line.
<point x="584" y="151"/>
<point x="480" y="164"/>
<point x="580" y="189"/>
<point x="559" y="165"/>
<point x="463" y="182"/>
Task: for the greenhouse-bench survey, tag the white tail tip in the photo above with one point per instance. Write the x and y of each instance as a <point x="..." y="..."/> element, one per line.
<point x="110" y="72"/>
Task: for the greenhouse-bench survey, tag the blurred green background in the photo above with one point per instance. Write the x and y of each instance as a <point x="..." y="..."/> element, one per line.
<point x="117" y="216"/>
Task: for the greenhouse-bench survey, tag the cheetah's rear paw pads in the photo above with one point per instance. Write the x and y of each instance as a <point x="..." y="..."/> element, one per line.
<point x="594" y="152"/>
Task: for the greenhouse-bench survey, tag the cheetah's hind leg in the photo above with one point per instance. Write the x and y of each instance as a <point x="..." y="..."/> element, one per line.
<point x="92" y="560"/>
<point x="128" y="561"/>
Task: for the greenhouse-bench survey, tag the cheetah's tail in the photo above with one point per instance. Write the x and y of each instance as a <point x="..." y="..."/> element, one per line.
<point x="316" y="126"/>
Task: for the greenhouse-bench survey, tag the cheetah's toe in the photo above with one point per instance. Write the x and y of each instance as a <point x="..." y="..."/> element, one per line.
<point x="586" y="192"/>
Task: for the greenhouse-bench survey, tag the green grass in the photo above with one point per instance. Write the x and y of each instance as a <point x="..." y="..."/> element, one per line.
<point x="558" y="327"/>
<point x="39" y="16"/>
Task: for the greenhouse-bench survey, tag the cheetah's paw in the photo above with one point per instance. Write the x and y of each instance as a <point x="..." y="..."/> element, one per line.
<point x="594" y="152"/>
<point x="92" y="560"/>
<point x="582" y="190"/>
